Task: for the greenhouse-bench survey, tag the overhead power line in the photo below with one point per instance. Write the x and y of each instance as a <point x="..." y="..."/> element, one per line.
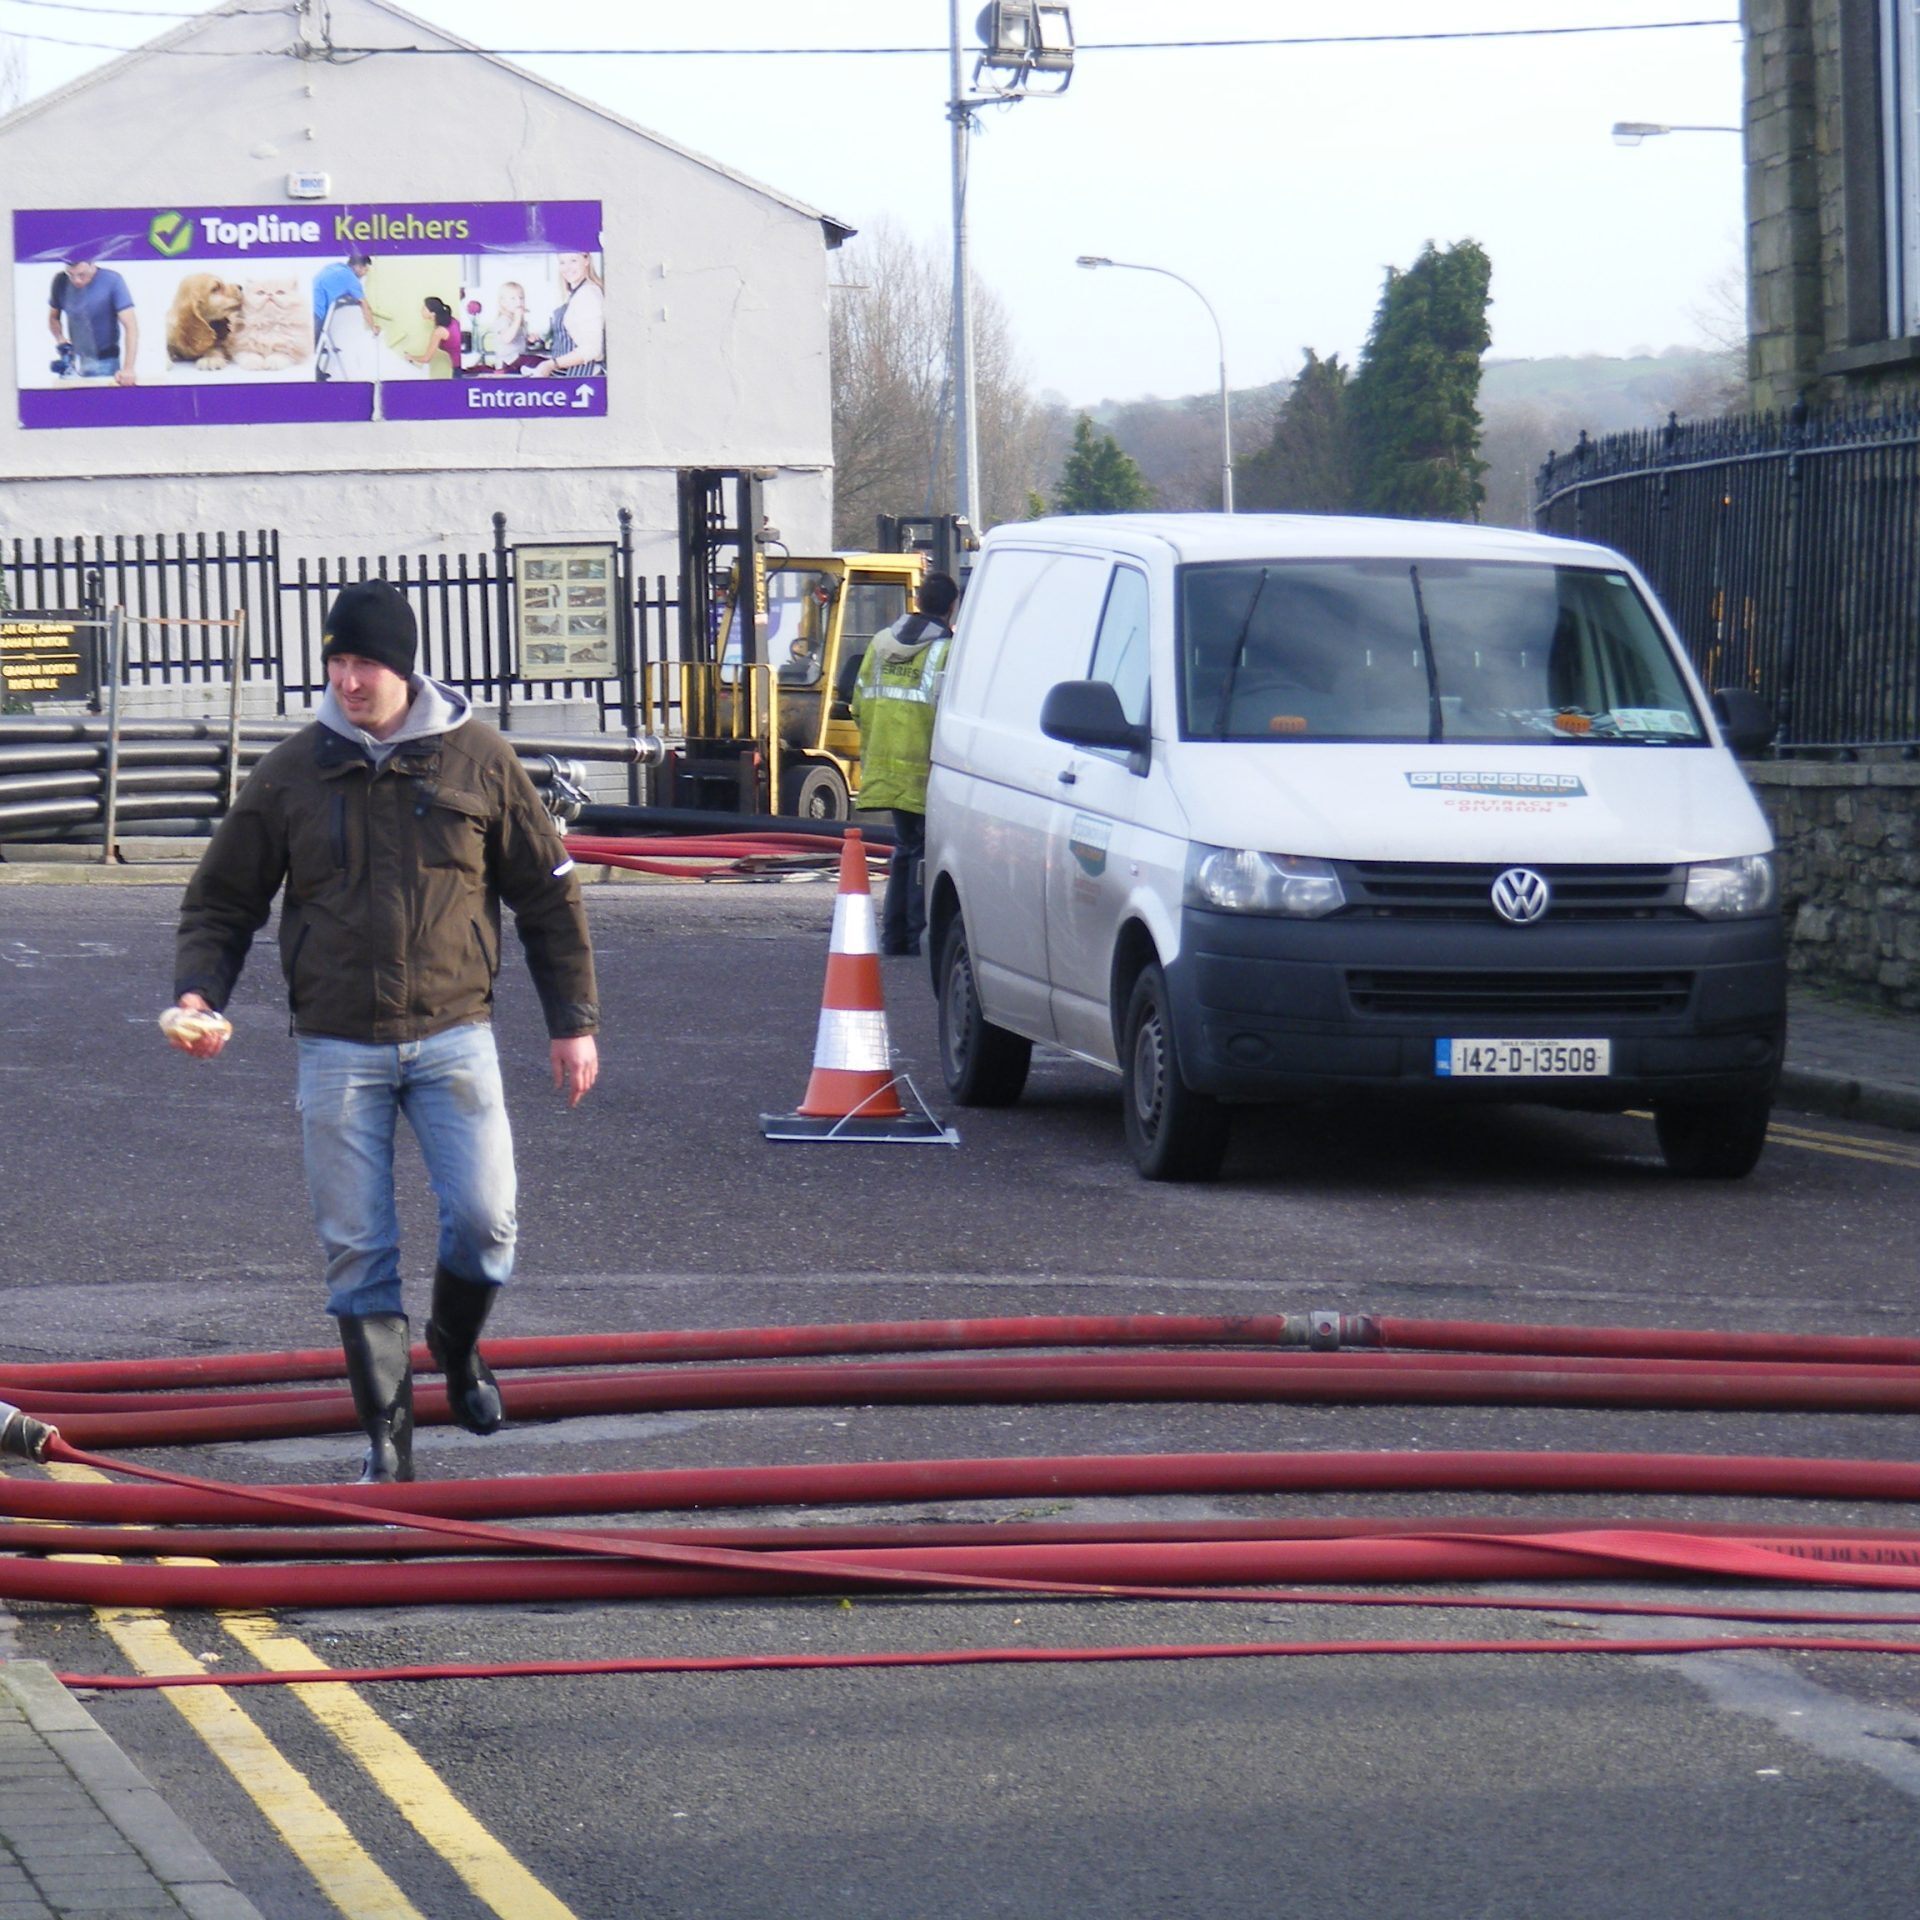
<point x="768" y="53"/>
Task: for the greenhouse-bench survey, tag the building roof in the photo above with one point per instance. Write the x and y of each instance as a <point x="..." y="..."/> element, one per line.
<point x="836" y="230"/>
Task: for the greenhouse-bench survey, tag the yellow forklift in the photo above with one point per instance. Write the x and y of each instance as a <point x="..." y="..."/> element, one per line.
<point x="770" y="647"/>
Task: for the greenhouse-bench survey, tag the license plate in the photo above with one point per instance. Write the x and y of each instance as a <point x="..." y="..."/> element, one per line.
<point x="1521" y="1059"/>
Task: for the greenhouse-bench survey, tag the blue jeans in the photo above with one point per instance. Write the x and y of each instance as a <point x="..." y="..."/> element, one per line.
<point x="94" y="366"/>
<point x="449" y="1089"/>
<point x="904" y="917"/>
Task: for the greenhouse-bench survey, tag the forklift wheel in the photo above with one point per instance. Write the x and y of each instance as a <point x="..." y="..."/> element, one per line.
<point x="814" y="793"/>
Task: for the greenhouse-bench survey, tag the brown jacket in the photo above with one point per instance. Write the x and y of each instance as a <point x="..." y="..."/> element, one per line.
<point x="390" y="930"/>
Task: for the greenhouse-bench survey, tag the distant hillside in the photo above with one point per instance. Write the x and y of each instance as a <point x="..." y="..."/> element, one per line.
<point x="1529" y="408"/>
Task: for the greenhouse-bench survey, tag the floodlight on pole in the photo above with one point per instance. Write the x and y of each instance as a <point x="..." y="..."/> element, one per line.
<point x="1629" y="133"/>
<point x="1023" y="41"/>
<point x="1226" y="416"/>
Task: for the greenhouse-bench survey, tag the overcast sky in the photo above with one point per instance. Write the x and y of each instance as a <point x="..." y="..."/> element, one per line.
<point x="1280" y="180"/>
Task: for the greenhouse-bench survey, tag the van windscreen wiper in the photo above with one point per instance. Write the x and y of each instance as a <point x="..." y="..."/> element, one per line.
<point x="1239" y="654"/>
<point x="1426" y="650"/>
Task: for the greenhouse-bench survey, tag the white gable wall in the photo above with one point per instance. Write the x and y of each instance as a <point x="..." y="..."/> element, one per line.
<point x="716" y="302"/>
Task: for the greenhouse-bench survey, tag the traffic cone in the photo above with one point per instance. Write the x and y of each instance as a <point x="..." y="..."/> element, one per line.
<point x="853" y="1093"/>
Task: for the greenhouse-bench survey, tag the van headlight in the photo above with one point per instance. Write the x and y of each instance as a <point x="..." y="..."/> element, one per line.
<point x="1237" y="880"/>
<point x="1732" y="889"/>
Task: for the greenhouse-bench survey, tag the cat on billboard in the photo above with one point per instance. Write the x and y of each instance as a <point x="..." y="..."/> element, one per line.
<point x="269" y="318"/>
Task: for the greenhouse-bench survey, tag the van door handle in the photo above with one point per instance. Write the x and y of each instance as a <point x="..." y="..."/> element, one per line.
<point x="1066" y="776"/>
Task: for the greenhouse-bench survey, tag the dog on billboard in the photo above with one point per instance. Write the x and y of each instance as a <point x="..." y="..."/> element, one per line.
<point x="200" y="320"/>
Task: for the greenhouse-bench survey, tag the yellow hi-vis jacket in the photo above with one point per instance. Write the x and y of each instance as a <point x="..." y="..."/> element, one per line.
<point x="893" y="700"/>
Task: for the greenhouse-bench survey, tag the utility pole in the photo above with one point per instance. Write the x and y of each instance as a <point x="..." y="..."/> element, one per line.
<point x="966" y="469"/>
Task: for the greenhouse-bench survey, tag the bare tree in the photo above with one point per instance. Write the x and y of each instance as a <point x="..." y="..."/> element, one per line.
<point x="1720" y="314"/>
<point x="892" y="402"/>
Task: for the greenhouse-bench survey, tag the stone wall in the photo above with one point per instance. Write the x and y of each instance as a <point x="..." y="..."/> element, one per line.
<point x="1850" y="873"/>
<point x="1784" y="330"/>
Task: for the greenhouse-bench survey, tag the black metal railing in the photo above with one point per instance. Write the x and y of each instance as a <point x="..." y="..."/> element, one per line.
<point x="177" y="589"/>
<point x="1787" y="550"/>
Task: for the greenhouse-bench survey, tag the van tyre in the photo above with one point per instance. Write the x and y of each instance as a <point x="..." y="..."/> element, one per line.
<point x="1715" y="1139"/>
<point x="814" y="793"/>
<point x="1174" y="1132"/>
<point x="984" y="1065"/>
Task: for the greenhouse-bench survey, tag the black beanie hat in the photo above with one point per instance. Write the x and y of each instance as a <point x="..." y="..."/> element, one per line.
<point x="372" y="619"/>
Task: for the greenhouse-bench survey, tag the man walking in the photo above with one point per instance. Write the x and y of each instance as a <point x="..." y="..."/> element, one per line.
<point x="397" y="823"/>
<point x="893" y="701"/>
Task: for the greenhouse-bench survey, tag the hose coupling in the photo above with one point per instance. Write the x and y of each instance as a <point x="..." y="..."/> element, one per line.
<point x="565" y="791"/>
<point x="22" y="1435"/>
<point x="1324" y="1331"/>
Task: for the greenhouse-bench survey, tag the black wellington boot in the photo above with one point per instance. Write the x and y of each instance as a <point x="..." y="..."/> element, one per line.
<point x="377" y="1346"/>
<point x="460" y="1309"/>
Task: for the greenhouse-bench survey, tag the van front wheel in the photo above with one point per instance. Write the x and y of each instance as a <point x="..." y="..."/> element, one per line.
<point x="1174" y="1132"/>
<point x="1715" y="1139"/>
<point x="984" y="1065"/>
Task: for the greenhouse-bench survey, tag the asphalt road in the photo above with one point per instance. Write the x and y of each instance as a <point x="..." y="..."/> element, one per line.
<point x="152" y="1204"/>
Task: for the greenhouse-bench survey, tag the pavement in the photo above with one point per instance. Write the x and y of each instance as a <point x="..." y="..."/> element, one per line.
<point x="82" y="1832"/>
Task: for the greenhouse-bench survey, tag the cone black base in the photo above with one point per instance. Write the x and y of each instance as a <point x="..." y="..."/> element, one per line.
<point x="907" y="1129"/>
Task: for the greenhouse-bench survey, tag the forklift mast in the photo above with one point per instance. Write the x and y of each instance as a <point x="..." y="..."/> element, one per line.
<point x="945" y="538"/>
<point x="708" y="530"/>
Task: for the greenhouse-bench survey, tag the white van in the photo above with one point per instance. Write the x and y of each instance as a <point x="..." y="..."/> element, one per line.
<point x="1249" y="808"/>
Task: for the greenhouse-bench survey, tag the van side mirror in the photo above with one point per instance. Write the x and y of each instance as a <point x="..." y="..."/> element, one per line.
<point x="1745" y="719"/>
<point x="1088" y="713"/>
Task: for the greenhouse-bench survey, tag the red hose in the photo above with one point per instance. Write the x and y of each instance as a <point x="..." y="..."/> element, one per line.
<point x="46" y="1403"/>
<point x="1492" y="1336"/>
<point x="913" y="1481"/>
<point x="1430" y="1363"/>
<point x="396" y="1542"/>
<point x="1251" y="1379"/>
<point x="1158" y="1570"/>
<point x="724" y="1343"/>
<point x="685" y="1571"/>
<point x="600" y="1396"/>
<point x="743" y="1343"/>
<point x="692" y="856"/>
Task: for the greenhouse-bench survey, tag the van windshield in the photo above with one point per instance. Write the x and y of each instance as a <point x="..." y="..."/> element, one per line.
<point x="1367" y="649"/>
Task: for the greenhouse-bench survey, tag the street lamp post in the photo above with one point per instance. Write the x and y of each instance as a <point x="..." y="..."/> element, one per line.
<point x="1629" y="133"/>
<point x="1226" y="417"/>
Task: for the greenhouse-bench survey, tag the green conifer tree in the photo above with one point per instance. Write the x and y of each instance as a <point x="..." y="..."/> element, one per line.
<point x="1413" y="404"/>
<point x="1099" y="477"/>
<point x="1307" y="467"/>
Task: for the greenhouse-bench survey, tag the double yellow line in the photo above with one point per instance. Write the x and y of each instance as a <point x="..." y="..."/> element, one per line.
<point x="1845" y="1146"/>
<point x="317" y="1837"/>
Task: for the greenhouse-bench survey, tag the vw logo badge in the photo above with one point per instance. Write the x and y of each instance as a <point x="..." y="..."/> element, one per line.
<point x="1520" y="896"/>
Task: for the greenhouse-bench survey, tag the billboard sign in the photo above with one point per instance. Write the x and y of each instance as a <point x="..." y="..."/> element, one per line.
<point x="232" y="316"/>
